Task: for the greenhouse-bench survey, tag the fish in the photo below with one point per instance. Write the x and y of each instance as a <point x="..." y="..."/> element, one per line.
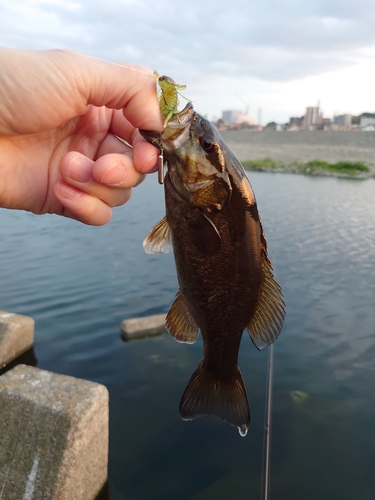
<point x="226" y="283"/>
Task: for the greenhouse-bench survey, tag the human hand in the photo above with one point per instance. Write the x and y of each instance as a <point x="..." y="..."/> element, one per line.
<point x="60" y="113"/>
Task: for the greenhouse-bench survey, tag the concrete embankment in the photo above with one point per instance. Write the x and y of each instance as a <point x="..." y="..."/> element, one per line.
<point x="138" y="328"/>
<point x="303" y="146"/>
<point x="16" y="336"/>
<point x="53" y="428"/>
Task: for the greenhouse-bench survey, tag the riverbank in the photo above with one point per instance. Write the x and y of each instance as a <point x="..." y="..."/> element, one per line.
<point x="315" y="167"/>
<point x="292" y="151"/>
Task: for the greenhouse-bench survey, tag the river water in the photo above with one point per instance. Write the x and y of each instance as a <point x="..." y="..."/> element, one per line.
<point x="79" y="283"/>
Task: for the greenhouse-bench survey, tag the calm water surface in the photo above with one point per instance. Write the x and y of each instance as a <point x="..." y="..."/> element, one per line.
<point x="80" y="282"/>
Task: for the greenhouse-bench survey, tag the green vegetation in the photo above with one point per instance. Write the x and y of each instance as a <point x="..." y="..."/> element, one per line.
<point x="344" y="167"/>
<point x="261" y="164"/>
<point x="347" y="168"/>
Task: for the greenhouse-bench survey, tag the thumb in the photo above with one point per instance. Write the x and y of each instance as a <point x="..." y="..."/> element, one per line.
<point x="85" y="80"/>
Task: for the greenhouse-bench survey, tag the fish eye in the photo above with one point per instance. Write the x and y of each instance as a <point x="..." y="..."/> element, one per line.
<point x="207" y="143"/>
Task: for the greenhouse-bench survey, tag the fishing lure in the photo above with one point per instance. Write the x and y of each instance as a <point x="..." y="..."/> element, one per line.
<point x="168" y="96"/>
<point x="168" y="104"/>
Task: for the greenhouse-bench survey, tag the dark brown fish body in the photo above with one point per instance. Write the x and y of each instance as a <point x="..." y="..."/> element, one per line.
<point x="225" y="278"/>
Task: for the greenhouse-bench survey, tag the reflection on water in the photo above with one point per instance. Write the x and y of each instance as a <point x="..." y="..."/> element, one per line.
<point x="79" y="283"/>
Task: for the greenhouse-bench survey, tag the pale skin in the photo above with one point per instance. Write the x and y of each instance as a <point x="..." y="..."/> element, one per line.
<point x="60" y="113"/>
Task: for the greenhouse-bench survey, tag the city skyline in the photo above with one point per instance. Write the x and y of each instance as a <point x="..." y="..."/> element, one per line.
<point x="277" y="56"/>
<point x="313" y="115"/>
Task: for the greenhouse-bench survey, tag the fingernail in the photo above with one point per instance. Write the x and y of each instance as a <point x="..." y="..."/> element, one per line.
<point x="114" y="174"/>
<point x="80" y="171"/>
<point x="153" y="161"/>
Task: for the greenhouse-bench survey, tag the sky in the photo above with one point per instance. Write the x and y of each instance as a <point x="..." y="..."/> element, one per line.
<point x="277" y="56"/>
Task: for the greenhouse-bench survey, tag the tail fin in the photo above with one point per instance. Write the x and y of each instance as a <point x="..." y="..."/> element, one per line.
<point x="208" y="395"/>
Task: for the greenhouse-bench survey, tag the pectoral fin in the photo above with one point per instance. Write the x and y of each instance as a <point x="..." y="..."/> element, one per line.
<point x="179" y="322"/>
<point x="159" y="239"/>
<point x="268" y="318"/>
<point x="204" y="234"/>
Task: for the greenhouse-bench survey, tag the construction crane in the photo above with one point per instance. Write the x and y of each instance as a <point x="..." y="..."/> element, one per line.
<point x="247" y="108"/>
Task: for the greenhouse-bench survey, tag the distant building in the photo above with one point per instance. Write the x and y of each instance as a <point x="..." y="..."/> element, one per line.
<point x="355" y="120"/>
<point x="234" y="116"/>
<point x="343" y="120"/>
<point x="295" y="123"/>
<point x="325" y="122"/>
<point x="367" y="123"/>
<point x="312" y="117"/>
<point x="270" y="126"/>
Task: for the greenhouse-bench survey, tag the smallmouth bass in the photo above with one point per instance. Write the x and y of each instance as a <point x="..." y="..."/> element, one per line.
<point x="224" y="273"/>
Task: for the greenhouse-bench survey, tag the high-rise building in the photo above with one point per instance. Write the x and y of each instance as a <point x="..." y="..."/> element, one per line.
<point x="312" y="117"/>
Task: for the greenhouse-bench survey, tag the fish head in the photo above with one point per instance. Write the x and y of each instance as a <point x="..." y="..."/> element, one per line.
<point x="196" y="161"/>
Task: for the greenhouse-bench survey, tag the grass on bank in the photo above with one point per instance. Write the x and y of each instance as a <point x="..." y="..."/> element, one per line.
<point x="342" y="167"/>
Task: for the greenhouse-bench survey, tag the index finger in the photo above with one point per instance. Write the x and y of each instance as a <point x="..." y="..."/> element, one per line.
<point x="131" y="88"/>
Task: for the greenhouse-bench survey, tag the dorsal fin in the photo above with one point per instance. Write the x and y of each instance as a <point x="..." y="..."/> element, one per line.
<point x="179" y="322"/>
<point x="159" y="239"/>
<point x="267" y="320"/>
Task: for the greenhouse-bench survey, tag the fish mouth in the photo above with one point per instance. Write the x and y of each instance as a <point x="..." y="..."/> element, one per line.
<point x="176" y="131"/>
<point x="152" y="137"/>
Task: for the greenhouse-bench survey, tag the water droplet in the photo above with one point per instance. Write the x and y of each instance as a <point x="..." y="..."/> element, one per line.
<point x="243" y="432"/>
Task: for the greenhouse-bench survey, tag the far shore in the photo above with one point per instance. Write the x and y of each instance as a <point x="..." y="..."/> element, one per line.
<point x="291" y="151"/>
<point x="303" y="169"/>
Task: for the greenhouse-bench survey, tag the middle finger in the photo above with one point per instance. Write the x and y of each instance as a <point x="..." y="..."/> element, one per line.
<point x="110" y="178"/>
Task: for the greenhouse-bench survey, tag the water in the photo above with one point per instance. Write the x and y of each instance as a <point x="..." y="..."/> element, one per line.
<point x="80" y="282"/>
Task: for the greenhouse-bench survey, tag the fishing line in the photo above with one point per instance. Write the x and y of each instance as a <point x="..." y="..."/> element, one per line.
<point x="266" y="454"/>
<point x="266" y="466"/>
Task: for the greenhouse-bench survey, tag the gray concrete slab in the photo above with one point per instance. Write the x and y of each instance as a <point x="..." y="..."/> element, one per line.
<point x="53" y="436"/>
<point x="16" y="336"/>
<point x="137" y="328"/>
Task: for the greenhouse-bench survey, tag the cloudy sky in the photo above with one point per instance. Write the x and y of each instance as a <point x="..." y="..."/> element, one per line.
<point x="277" y="55"/>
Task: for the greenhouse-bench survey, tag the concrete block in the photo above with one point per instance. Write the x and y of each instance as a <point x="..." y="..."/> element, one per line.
<point x="53" y="436"/>
<point x="16" y="336"/>
<point x="137" y="328"/>
<point x="27" y="358"/>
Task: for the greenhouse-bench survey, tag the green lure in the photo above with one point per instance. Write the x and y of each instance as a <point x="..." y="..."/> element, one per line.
<point x="168" y="96"/>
